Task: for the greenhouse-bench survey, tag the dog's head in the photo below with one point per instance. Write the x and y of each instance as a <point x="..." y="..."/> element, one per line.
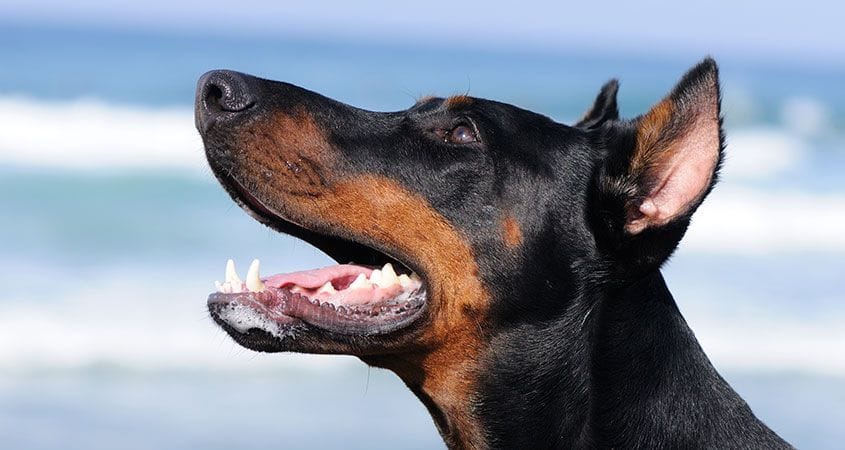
<point x="487" y="214"/>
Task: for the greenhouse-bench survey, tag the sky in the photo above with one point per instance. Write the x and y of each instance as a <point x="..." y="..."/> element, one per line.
<point x="809" y="29"/>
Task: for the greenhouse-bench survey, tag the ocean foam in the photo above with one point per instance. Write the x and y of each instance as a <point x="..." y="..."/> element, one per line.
<point x="749" y="221"/>
<point x="752" y="329"/>
<point x="127" y="324"/>
<point x="775" y="345"/>
<point x="805" y="115"/>
<point x="93" y="134"/>
<point x="760" y="153"/>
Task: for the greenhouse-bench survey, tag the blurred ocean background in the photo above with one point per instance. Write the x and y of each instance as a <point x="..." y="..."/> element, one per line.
<point x="113" y="231"/>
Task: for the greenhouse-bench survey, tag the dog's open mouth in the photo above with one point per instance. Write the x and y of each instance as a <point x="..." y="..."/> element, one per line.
<point x="376" y="296"/>
<point x="344" y="299"/>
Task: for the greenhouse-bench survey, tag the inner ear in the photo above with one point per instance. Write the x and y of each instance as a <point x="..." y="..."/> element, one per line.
<point x="677" y="152"/>
<point x="604" y="107"/>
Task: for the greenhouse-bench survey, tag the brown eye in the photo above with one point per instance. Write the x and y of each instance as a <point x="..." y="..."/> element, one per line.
<point x="461" y="134"/>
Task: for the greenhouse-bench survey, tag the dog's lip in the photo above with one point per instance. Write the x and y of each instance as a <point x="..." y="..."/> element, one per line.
<point x="280" y="312"/>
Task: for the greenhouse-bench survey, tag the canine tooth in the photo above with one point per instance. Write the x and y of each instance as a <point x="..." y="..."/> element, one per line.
<point x="327" y="288"/>
<point x="375" y="277"/>
<point x="404" y="281"/>
<point x="253" y="280"/>
<point x="388" y="276"/>
<point x="360" y="281"/>
<point x="232" y="274"/>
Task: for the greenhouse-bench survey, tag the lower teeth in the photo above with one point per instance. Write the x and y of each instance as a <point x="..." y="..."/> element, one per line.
<point x="379" y="278"/>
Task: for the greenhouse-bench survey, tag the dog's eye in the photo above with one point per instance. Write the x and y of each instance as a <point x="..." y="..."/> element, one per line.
<point x="461" y="134"/>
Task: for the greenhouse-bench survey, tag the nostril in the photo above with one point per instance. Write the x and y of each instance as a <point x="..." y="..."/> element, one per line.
<point x="213" y="98"/>
<point x="227" y="91"/>
<point x="224" y="95"/>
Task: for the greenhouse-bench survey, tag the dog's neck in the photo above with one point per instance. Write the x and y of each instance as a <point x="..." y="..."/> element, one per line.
<point x="622" y="370"/>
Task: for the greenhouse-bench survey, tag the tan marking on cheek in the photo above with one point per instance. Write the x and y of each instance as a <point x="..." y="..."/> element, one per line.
<point x="446" y="364"/>
<point x="289" y="151"/>
<point x="387" y="213"/>
<point x="511" y="232"/>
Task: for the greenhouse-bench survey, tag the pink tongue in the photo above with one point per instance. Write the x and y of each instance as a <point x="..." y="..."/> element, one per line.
<point x="313" y="279"/>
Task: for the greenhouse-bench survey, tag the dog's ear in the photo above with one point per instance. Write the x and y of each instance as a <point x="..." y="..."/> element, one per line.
<point x="658" y="169"/>
<point x="603" y="109"/>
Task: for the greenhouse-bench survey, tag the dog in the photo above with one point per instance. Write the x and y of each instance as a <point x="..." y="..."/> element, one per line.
<point x="505" y="266"/>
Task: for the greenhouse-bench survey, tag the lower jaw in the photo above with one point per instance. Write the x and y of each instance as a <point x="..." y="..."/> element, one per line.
<point x="282" y="313"/>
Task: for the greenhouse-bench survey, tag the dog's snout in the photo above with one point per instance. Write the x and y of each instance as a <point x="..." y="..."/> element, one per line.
<point x="221" y="95"/>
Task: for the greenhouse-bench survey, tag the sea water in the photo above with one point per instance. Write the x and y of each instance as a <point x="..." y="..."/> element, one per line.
<point x="113" y="231"/>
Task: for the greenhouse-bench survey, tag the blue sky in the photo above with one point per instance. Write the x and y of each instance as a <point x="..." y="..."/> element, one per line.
<point x="810" y="29"/>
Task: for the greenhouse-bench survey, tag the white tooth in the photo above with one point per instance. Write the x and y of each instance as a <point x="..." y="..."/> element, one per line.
<point x="415" y="278"/>
<point x="327" y="288"/>
<point x="404" y="281"/>
<point x="253" y="280"/>
<point x="218" y="286"/>
<point x="232" y="274"/>
<point x="360" y="281"/>
<point x="375" y="277"/>
<point x="236" y="288"/>
<point x="297" y="289"/>
<point x="388" y="276"/>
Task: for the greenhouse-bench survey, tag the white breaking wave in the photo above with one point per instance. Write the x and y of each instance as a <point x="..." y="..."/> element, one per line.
<point x="748" y="221"/>
<point x="741" y="331"/>
<point x="775" y="344"/>
<point x="761" y="153"/>
<point x="123" y="323"/>
<point x="805" y="115"/>
<point x="92" y="134"/>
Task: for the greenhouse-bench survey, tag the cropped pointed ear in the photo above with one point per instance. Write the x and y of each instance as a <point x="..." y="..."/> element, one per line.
<point x="603" y="109"/>
<point x="659" y="168"/>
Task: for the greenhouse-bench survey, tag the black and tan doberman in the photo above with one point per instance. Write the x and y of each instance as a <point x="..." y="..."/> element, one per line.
<point x="505" y="266"/>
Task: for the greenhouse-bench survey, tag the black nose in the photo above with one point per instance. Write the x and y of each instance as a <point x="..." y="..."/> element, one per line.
<point x="223" y="95"/>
